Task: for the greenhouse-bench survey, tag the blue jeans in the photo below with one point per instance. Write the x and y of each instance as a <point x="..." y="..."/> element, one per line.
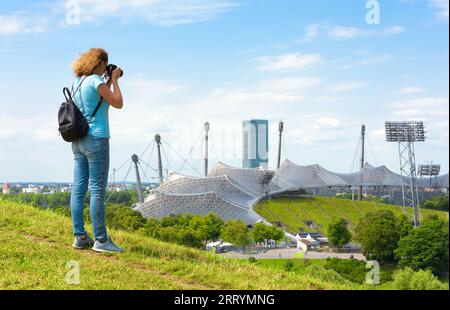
<point x="91" y="167"/>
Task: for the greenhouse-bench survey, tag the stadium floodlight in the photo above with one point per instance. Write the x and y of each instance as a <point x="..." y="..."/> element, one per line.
<point x="405" y="134"/>
<point x="429" y="169"/>
<point x="405" y="131"/>
<point x="265" y="177"/>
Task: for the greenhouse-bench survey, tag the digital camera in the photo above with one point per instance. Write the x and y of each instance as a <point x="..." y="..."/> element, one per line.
<point x="109" y="70"/>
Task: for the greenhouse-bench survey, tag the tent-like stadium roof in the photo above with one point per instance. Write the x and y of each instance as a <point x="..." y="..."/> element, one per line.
<point x="232" y="192"/>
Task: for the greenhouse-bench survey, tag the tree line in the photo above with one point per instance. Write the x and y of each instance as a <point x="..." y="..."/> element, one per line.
<point x="391" y="239"/>
<point x="184" y="229"/>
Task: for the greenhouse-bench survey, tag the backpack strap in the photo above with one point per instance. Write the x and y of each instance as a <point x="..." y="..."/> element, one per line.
<point x="78" y="88"/>
<point x="97" y="107"/>
<point x="71" y="96"/>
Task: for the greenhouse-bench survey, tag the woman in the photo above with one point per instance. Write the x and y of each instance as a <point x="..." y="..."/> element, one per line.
<point x="91" y="153"/>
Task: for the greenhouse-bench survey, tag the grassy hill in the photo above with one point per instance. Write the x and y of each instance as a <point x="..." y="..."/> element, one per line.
<point x="35" y="246"/>
<point x="294" y="212"/>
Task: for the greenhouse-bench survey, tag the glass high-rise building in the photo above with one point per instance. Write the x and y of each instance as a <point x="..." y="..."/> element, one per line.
<point x="255" y="143"/>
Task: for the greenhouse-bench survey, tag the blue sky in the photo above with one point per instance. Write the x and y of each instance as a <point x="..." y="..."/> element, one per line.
<point x="316" y="65"/>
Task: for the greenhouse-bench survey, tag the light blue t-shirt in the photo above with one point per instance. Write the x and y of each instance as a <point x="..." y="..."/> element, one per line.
<point x="87" y="99"/>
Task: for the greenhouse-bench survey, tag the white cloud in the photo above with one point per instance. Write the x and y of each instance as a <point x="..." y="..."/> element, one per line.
<point x="26" y="129"/>
<point x="311" y="32"/>
<point x="338" y="32"/>
<point x="158" y="12"/>
<point x="394" y="30"/>
<point x="368" y="61"/>
<point x="295" y="84"/>
<point x="151" y="88"/>
<point x="441" y="8"/>
<point x="347" y="86"/>
<point x="421" y="103"/>
<point x="21" y="23"/>
<point x="421" y="109"/>
<point x="327" y="122"/>
<point x="342" y="33"/>
<point x="287" y="61"/>
<point x="410" y="90"/>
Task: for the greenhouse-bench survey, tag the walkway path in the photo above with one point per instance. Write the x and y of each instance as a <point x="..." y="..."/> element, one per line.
<point x="290" y="253"/>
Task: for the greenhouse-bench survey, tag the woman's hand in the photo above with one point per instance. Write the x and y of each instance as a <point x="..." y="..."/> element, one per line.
<point x="116" y="74"/>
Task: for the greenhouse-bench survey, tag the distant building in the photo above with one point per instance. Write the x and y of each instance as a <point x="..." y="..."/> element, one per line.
<point x="310" y="241"/>
<point x="255" y="144"/>
<point x="220" y="246"/>
<point x="32" y="189"/>
<point x="6" y="189"/>
<point x="65" y="189"/>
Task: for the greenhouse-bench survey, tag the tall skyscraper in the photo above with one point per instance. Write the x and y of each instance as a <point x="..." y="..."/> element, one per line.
<point x="255" y="143"/>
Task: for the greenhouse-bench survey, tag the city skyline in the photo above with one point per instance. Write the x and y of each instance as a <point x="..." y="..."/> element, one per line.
<point x="318" y="66"/>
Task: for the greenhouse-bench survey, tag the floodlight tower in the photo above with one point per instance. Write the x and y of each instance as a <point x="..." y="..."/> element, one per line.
<point x="405" y="134"/>
<point x="363" y="134"/>
<point x="206" y="148"/>
<point x="429" y="169"/>
<point x="265" y="177"/>
<point x="114" y="178"/>
<point x="135" y="160"/>
<point x="160" y="170"/>
<point x="280" y="131"/>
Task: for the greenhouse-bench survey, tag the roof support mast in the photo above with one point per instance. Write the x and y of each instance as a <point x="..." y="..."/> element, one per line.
<point x="160" y="170"/>
<point x="363" y="134"/>
<point x="280" y="130"/>
<point x="135" y="160"/>
<point x="206" y="148"/>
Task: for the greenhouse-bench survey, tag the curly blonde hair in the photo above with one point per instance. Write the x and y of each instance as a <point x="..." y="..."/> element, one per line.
<point x="86" y="63"/>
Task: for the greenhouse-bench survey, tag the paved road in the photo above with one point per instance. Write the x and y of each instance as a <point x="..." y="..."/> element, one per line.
<point x="289" y="253"/>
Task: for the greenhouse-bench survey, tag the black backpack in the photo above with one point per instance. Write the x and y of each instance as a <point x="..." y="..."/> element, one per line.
<point x="72" y="123"/>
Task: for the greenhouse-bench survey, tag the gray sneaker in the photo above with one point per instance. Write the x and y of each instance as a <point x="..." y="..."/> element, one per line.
<point x="107" y="246"/>
<point x="81" y="244"/>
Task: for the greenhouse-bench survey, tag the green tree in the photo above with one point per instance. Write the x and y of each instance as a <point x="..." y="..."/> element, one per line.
<point x="409" y="279"/>
<point x="263" y="233"/>
<point x="404" y="225"/>
<point x="260" y="232"/>
<point x="436" y="203"/>
<point x="123" y="217"/>
<point x="276" y="233"/>
<point x="236" y="232"/>
<point x="207" y="227"/>
<point x="425" y="247"/>
<point x="378" y="233"/>
<point x="58" y="199"/>
<point x="338" y="233"/>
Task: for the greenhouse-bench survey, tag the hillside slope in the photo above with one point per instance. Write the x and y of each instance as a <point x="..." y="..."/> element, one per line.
<point x="294" y="212"/>
<point x="35" y="246"/>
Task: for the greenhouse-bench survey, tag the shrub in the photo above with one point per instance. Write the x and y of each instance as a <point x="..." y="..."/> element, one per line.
<point x="338" y="233"/>
<point x="425" y="247"/>
<point x="378" y="233"/>
<point x="323" y="274"/>
<point x="351" y="269"/>
<point x="409" y="279"/>
<point x="289" y="266"/>
<point x="237" y="233"/>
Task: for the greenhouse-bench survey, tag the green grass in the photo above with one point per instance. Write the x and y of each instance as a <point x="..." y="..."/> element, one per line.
<point x="301" y="264"/>
<point x="292" y="212"/>
<point x="36" y="246"/>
